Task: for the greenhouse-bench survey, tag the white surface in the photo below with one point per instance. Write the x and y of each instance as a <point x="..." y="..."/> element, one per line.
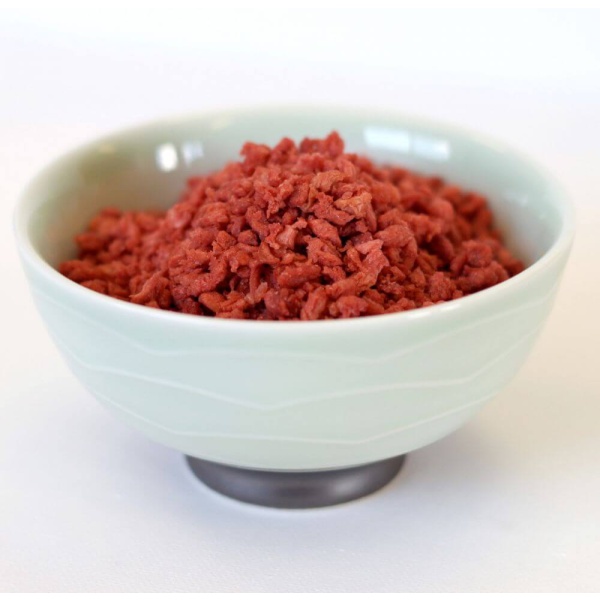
<point x="509" y="503"/>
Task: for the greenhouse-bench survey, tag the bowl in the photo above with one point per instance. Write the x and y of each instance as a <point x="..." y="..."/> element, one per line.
<point x="251" y="402"/>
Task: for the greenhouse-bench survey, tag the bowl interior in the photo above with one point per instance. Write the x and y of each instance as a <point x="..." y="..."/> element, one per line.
<point x="146" y="168"/>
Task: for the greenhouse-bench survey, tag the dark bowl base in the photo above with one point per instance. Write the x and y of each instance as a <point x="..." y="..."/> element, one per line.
<point x="296" y="489"/>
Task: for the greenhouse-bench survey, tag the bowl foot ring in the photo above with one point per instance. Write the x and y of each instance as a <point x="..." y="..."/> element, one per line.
<point x="296" y="489"/>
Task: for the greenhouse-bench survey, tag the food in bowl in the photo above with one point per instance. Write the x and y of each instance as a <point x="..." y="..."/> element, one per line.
<point x="292" y="232"/>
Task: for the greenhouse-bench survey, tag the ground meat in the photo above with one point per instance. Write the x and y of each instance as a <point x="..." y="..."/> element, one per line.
<point x="298" y="232"/>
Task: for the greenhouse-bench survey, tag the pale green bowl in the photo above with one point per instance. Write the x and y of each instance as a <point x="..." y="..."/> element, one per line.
<point x="292" y="395"/>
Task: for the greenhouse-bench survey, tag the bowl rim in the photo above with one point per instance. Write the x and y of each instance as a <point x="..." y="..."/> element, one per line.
<point x="559" y="247"/>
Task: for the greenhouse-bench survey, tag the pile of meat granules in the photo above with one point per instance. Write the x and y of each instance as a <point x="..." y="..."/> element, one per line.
<point x="298" y="232"/>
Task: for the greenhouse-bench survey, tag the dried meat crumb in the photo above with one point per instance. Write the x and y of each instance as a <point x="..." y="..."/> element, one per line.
<point x="298" y="231"/>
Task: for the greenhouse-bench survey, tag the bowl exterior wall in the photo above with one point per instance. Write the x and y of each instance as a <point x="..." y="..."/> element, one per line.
<point x="303" y="398"/>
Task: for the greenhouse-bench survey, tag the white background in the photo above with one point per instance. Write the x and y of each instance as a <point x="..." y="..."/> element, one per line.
<point x="509" y="503"/>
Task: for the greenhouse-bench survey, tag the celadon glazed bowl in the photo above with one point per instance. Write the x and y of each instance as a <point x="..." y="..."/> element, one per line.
<point x="292" y="396"/>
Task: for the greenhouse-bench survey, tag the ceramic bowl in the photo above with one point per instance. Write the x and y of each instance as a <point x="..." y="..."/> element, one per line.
<point x="292" y="395"/>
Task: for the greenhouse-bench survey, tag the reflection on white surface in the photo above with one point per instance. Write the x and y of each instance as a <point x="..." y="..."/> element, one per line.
<point x="191" y="151"/>
<point x="431" y="148"/>
<point x="396" y="140"/>
<point x="166" y="157"/>
<point x="400" y="140"/>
